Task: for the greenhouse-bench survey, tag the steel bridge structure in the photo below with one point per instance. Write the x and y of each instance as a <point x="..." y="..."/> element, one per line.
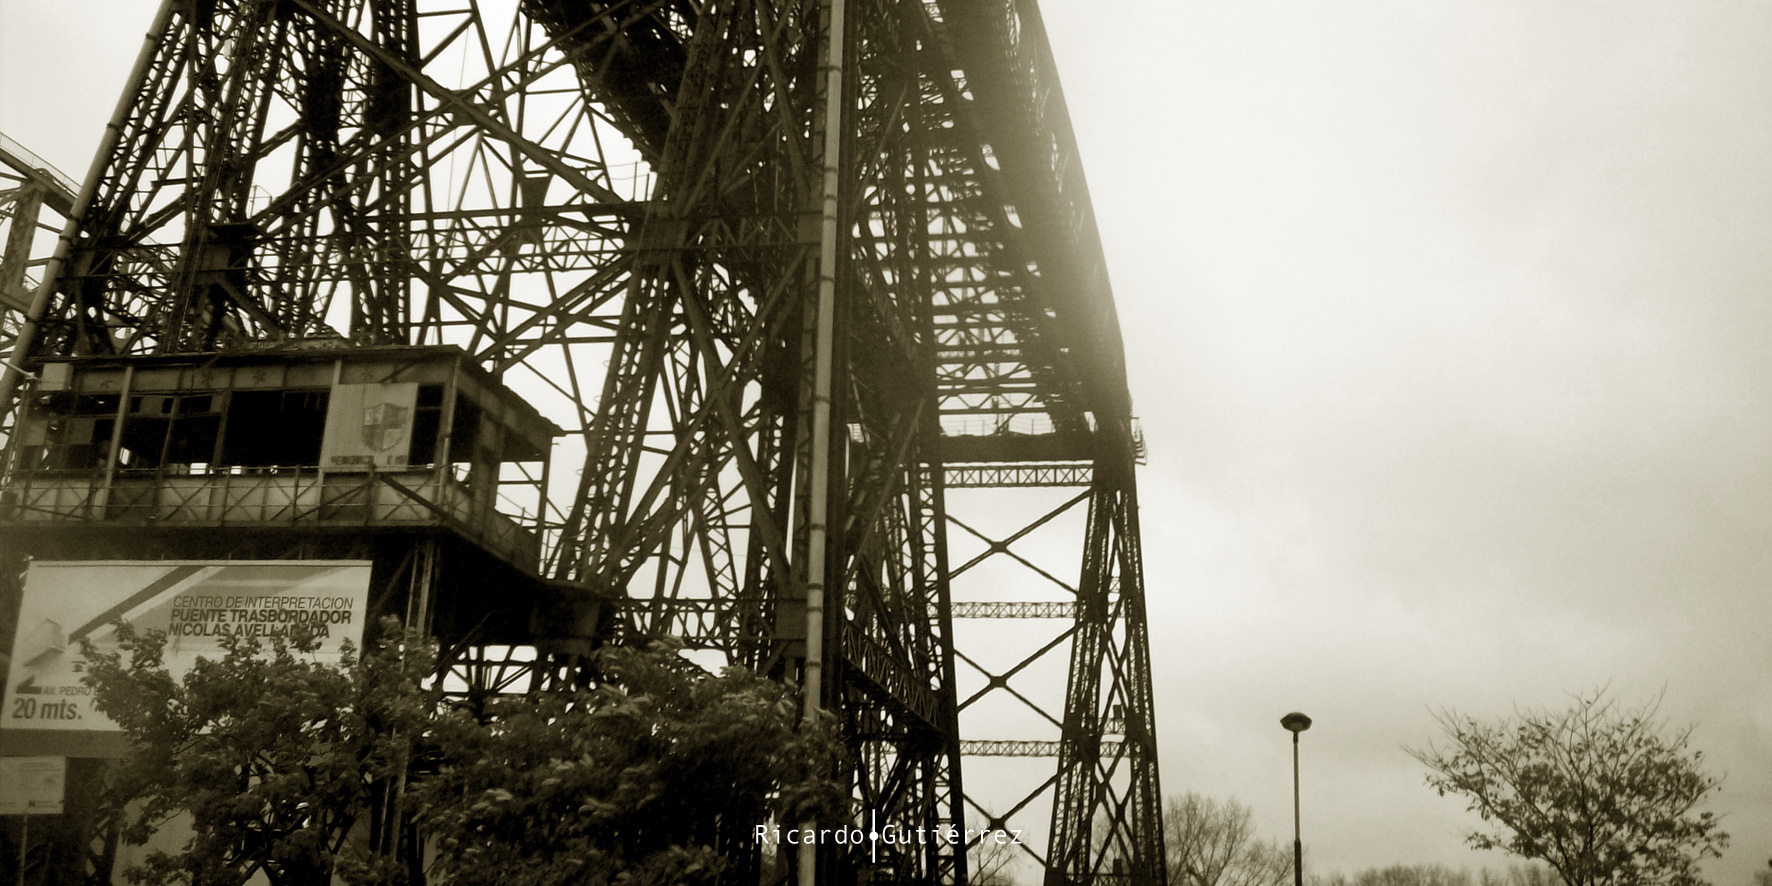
<point x="813" y="287"/>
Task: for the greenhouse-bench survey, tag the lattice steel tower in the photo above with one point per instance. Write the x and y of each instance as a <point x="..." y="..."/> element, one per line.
<point x="811" y="288"/>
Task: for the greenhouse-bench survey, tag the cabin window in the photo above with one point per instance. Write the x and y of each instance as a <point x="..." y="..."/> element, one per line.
<point x="464" y="430"/>
<point x="275" y="429"/>
<point x="76" y="430"/>
<point x="427" y="420"/>
<point x="170" y="429"/>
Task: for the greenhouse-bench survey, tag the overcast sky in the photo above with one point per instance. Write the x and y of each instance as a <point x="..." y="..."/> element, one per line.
<point x="1449" y="327"/>
<point x="1450" y="331"/>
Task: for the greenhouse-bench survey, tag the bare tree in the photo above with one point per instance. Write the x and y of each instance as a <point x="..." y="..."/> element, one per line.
<point x="1606" y="796"/>
<point x="993" y="859"/>
<point x="1411" y="875"/>
<point x="1529" y="874"/>
<point x="1212" y="843"/>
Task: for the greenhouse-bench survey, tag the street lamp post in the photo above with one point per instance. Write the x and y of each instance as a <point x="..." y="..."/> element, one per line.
<point x="1296" y="723"/>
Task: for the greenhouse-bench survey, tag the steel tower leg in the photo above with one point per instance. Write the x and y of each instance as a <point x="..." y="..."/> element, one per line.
<point x="1105" y="824"/>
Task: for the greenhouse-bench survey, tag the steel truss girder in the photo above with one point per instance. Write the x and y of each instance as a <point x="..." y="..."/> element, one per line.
<point x="1024" y="609"/>
<point x="1025" y="748"/>
<point x="390" y="177"/>
<point x="617" y="207"/>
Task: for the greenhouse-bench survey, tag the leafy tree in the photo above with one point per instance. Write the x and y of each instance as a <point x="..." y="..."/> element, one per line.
<point x="274" y="755"/>
<point x="300" y="769"/>
<point x="1606" y="796"/>
<point x="658" y="775"/>
<point x="1212" y="843"/>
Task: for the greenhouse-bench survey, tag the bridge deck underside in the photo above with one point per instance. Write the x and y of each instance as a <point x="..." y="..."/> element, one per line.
<point x="1025" y="337"/>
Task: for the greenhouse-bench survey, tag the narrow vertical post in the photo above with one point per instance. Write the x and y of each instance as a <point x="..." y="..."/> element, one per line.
<point x="824" y="344"/>
<point x="1297" y="842"/>
<point x="1296" y="723"/>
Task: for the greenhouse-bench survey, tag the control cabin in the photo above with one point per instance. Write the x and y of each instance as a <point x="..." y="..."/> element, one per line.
<point x="373" y="438"/>
<point x="412" y="458"/>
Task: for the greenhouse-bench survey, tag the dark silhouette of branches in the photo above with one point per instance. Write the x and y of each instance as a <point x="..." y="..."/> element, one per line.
<point x="1212" y="843"/>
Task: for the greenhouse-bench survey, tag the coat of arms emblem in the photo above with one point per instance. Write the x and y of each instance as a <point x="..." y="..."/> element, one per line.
<point x="384" y="425"/>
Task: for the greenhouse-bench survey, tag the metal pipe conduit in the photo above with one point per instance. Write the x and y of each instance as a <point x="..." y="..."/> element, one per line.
<point x="13" y="372"/>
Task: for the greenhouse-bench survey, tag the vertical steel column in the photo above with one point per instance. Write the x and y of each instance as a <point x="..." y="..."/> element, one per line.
<point x="824" y="346"/>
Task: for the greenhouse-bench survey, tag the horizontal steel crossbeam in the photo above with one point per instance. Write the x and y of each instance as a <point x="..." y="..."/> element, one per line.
<point x="984" y="476"/>
<point x="1019" y="609"/>
<point x="1026" y="748"/>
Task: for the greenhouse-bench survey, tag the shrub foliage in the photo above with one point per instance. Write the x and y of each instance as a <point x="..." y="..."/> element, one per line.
<point x="283" y="763"/>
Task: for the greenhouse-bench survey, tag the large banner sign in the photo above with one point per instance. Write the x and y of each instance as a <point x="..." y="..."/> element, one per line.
<point x="195" y="602"/>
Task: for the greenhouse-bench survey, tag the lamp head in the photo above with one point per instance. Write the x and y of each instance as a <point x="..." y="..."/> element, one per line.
<point x="1295" y="722"/>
